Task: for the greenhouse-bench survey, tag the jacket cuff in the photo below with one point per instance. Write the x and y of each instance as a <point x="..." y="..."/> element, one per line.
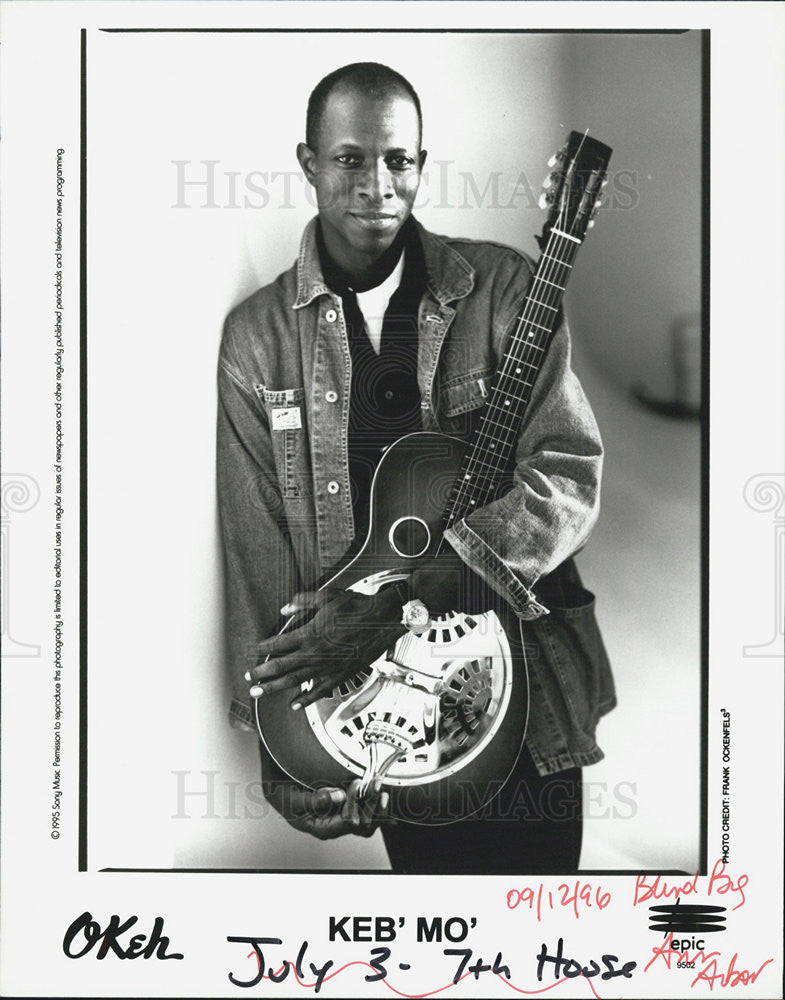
<point x="489" y="565"/>
<point x="241" y="716"/>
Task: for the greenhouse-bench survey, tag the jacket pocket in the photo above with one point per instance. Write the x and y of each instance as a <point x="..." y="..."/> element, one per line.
<point x="461" y="398"/>
<point x="574" y="655"/>
<point x="285" y="410"/>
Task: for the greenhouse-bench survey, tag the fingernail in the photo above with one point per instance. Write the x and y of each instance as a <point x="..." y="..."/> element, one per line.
<point x="247" y="675"/>
<point x="296" y="706"/>
<point x="384" y="800"/>
<point x="256" y="691"/>
<point x="288" y="609"/>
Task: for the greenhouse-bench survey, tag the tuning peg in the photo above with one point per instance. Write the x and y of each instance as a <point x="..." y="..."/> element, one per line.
<point x="604" y="182"/>
<point x="556" y="158"/>
<point x="593" y="215"/>
<point x="550" y="180"/>
<point x="546" y="198"/>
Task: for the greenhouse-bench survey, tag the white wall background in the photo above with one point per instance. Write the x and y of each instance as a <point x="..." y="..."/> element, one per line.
<point x="161" y="281"/>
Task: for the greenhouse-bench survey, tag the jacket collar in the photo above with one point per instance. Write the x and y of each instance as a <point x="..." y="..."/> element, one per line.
<point x="450" y="276"/>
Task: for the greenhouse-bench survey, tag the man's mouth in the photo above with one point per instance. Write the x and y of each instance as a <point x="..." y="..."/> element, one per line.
<point x="374" y="220"/>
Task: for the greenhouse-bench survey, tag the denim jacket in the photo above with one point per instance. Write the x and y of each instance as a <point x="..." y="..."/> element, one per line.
<point x="283" y="478"/>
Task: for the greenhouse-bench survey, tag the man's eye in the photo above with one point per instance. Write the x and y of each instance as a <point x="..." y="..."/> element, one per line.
<point x="348" y="160"/>
<point x="400" y="162"/>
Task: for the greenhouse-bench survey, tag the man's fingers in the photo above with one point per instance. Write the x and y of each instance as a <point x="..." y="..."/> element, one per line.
<point x="309" y="600"/>
<point x="350" y="812"/>
<point x="277" y="644"/>
<point x="303" y="803"/>
<point x="279" y="666"/>
<point x="366" y="812"/>
<point x="328" y="800"/>
<point x="292" y="677"/>
<point x="314" y="656"/>
<point x="330" y="812"/>
<point x="319" y="690"/>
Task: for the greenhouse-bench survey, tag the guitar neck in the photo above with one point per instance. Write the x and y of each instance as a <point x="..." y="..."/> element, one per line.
<point x="497" y="433"/>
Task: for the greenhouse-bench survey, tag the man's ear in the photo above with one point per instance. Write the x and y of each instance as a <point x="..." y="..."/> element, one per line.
<point x="423" y="158"/>
<point x="307" y="160"/>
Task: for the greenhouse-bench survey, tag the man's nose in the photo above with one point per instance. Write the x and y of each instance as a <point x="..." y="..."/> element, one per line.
<point x="377" y="182"/>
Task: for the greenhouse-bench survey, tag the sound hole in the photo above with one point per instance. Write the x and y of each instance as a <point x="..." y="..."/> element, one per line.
<point x="409" y="537"/>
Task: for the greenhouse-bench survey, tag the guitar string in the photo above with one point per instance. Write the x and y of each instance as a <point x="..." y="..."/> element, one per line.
<point x="549" y="265"/>
<point x="533" y="343"/>
<point x="545" y="297"/>
<point x="493" y="444"/>
<point x="530" y="350"/>
<point x="526" y="352"/>
<point x="480" y="448"/>
<point x="509" y="397"/>
<point x="520" y="353"/>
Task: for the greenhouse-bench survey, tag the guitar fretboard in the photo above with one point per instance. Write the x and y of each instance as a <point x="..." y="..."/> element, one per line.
<point x="497" y="433"/>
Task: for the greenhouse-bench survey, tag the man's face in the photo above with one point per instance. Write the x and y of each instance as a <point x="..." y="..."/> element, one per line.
<point x="366" y="172"/>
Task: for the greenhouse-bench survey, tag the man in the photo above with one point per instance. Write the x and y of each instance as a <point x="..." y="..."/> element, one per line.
<point x="381" y="328"/>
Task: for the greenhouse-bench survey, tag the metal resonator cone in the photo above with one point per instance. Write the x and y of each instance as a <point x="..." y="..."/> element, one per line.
<point x="425" y="708"/>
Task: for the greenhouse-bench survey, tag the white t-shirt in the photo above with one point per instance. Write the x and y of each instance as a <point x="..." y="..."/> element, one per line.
<point x="373" y="304"/>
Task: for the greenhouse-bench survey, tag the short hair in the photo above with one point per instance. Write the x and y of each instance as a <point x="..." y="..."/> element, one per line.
<point x="370" y="78"/>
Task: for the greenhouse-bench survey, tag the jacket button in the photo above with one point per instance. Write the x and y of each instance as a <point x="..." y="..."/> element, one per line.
<point x="333" y="486"/>
<point x="331" y="396"/>
<point x="331" y="315"/>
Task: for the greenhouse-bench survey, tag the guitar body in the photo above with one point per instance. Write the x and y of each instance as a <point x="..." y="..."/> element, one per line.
<point x="454" y="701"/>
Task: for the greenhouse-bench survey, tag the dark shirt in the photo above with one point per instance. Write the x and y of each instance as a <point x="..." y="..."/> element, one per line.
<point x="385" y="398"/>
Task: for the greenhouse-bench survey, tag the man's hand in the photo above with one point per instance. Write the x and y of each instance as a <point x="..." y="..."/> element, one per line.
<point x="329" y="812"/>
<point x="348" y="632"/>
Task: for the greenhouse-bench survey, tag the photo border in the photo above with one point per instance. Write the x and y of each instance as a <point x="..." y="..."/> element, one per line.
<point x="705" y="285"/>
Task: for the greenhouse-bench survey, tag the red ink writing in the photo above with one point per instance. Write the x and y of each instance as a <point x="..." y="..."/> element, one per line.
<point x="705" y="962"/>
<point x="720" y="884"/>
<point x="573" y="895"/>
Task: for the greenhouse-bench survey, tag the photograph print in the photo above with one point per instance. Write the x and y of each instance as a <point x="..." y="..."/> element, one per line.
<point x="412" y="327"/>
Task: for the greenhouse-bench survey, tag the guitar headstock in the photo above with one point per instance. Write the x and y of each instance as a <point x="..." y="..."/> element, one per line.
<point x="572" y="189"/>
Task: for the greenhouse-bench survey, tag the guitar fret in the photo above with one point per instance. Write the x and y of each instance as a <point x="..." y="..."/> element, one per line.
<point x="518" y="364"/>
<point x="530" y="322"/>
<point x="553" y="283"/>
<point x="491" y="439"/>
<point x="558" y="261"/>
<point x="479" y="461"/>
<point x="462" y="502"/>
<point x="539" y="303"/>
<point x="505" y="408"/>
<point x="512" y="378"/>
<point x="527" y="343"/>
<point x="496" y="423"/>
